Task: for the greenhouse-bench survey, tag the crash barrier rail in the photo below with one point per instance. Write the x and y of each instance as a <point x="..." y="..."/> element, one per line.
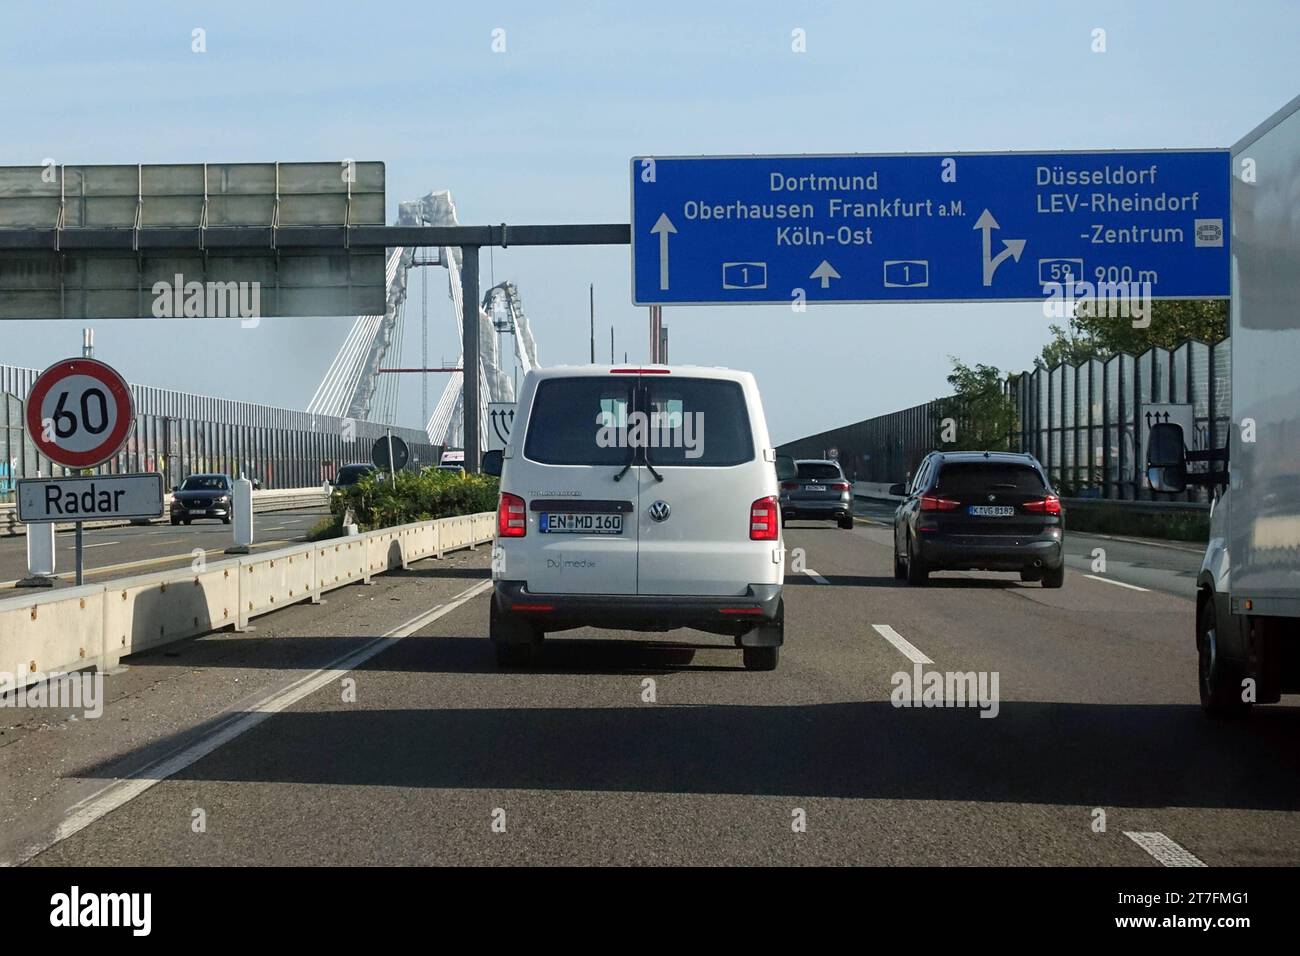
<point x="96" y="625"/>
<point x="879" y="491"/>
<point x="282" y="499"/>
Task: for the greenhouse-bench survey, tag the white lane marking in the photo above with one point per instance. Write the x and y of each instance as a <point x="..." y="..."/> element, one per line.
<point x="1165" y="850"/>
<point x="815" y="576"/>
<point x="1120" y="584"/>
<point x="102" y="544"/>
<point x="906" y="647"/>
<point x="120" y="792"/>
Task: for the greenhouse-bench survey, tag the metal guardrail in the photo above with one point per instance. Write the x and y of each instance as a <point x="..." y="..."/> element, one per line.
<point x="1138" y="507"/>
<point x="283" y="499"/>
<point x="96" y="625"/>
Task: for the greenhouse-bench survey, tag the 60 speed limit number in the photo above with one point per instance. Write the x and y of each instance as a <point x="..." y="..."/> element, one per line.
<point x="79" y="412"/>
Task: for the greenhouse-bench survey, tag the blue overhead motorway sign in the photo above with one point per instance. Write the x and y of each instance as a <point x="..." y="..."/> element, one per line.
<point x="941" y="227"/>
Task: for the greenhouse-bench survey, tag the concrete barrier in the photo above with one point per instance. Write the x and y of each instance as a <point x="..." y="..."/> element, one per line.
<point x="457" y="533"/>
<point x="96" y="625"/>
<point x="147" y="610"/>
<point x="57" y="631"/>
<point x="874" y="491"/>
<point x="341" y="561"/>
<point x="272" y="579"/>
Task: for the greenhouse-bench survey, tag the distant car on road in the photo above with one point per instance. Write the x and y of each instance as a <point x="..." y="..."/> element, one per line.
<point x="452" y="467"/>
<point x="985" y="511"/>
<point x="819" y="492"/>
<point x="350" y="474"/>
<point x="202" y="496"/>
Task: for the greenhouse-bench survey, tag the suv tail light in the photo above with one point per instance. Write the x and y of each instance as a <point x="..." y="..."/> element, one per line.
<point x="1051" y="505"/>
<point x="935" y="503"/>
<point x="839" y="486"/>
<point x="789" y="486"/>
<point x="765" y="519"/>
<point x="512" y="522"/>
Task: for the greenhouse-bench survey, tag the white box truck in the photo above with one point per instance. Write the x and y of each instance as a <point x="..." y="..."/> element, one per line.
<point x="1248" y="588"/>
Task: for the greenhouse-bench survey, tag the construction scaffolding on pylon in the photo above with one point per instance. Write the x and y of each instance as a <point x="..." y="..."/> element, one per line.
<point x="356" y="386"/>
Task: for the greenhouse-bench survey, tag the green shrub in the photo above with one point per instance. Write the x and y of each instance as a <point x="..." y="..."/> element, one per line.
<point x="417" y="496"/>
<point x="328" y="527"/>
<point x="1100" y="518"/>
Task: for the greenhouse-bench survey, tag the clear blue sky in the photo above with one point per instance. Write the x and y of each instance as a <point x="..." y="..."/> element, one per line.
<point x="543" y="133"/>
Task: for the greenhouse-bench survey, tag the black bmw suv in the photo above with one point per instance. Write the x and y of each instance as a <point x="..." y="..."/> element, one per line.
<point x="987" y="511"/>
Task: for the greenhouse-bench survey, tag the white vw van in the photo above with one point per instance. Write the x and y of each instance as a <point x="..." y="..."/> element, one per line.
<point x="639" y="499"/>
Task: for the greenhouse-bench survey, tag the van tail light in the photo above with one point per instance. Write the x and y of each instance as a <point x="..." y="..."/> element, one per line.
<point x="512" y="522"/>
<point x="765" y="519"/>
<point x="839" y="486"/>
<point x="935" y="503"/>
<point x="789" y="486"/>
<point x="1051" y="505"/>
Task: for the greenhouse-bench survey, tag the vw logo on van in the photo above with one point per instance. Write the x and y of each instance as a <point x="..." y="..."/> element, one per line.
<point x="660" y="511"/>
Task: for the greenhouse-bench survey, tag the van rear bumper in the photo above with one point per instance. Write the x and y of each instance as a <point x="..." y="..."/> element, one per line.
<point x="647" y="612"/>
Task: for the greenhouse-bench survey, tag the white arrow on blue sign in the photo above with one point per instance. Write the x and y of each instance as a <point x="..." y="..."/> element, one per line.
<point x="958" y="227"/>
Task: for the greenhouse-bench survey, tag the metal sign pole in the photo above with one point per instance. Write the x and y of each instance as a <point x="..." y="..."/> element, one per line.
<point x="80" y="540"/>
<point x="392" y="464"/>
<point x="470" y="356"/>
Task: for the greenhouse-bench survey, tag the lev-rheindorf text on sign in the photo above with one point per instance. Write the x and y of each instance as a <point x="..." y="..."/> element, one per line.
<point x="955" y="227"/>
<point x="87" y="499"/>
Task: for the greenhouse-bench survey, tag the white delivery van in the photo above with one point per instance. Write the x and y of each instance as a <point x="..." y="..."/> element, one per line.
<point x="638" y="499"/>
<point x="1248" y="589"/>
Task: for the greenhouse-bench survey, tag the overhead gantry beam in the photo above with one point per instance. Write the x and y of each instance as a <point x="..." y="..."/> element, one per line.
<point x="287" y="239"/>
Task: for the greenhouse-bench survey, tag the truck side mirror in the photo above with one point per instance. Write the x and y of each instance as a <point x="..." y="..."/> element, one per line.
<point x="898" y="489"/>
<point x="785" y="468"/>
<point x="492" y="462"/>
<point x="1166" y="458"/>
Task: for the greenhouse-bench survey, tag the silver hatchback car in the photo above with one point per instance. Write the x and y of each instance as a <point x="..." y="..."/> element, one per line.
<point x="819" y="492"/>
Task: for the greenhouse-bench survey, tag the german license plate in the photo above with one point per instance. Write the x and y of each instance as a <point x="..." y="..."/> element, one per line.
<point x="815" y="488"/>
<point x="582" y="523"/>
<point x="992" y="511"/>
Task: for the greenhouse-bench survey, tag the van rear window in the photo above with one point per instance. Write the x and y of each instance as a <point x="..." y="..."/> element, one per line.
<point x="697" y="421"/>
<point x="603" y="421"/>
<point x="564" y="426"/>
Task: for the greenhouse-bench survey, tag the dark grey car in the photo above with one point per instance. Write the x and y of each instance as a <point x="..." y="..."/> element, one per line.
<point x="989" y="511"/>
<point x="202" y="496"/>
<point x="819" y="492"/>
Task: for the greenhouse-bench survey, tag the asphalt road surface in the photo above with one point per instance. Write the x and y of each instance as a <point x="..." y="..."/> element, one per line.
<point x="375" y="728"/>
<point x="140" y="549"/>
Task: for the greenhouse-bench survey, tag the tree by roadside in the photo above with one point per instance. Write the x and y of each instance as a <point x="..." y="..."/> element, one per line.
<point x="979" y="415"/>
<point x="1088" y="336"/>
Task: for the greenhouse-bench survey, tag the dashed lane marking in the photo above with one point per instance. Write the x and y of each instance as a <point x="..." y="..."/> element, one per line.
<point x="905" y="647"/>
<point x="1163" y="849"/>
<point x="1119" y="584"/>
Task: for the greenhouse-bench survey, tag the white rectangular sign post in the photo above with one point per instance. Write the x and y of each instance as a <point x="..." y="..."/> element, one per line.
<point x="93" y="498"/>
<point x="501" y="417"/>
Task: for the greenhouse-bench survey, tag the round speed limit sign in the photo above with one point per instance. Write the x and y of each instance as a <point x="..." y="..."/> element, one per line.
<point x="79" y="412"/>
